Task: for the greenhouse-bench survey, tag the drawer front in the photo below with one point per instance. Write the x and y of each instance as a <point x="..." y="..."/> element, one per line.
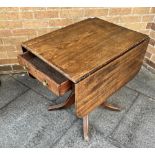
<point x="57" y="88"/>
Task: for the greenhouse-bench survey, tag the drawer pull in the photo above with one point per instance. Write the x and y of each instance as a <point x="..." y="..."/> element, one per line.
<point x="45" y="83"/>
<point x="47" y="75"/>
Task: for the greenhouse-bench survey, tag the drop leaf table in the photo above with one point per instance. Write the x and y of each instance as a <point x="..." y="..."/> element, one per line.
<point x="93" y="58"/>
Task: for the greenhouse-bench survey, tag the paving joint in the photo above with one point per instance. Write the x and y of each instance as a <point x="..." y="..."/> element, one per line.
<point x="141" y="93"/>
<point x="123" y="116"/>
<point x="57" y="141"/>
<point x="14" y="99"/>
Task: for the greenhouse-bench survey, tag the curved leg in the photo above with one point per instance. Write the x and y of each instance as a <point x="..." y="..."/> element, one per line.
<point x="110" y="106"/>
<point x="66" y="104"/>
<point x="85" y="128"/>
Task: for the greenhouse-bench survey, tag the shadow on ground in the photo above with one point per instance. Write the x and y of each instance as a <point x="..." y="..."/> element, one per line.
<point x="25" y="121"/>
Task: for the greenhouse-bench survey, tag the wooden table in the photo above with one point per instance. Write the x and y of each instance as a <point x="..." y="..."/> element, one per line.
<point x="93" y="57"/>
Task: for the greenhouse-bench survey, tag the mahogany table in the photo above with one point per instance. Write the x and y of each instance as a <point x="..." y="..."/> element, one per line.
<point x="93" y="58"/>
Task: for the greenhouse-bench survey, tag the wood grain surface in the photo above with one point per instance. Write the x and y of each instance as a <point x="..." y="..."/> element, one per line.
<point x="95" y="89"/>
<point x="81" y="49"/>
<point x="53" y="80"/>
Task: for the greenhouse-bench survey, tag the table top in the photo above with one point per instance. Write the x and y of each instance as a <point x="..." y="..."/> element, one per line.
<point x="80" y="49"/>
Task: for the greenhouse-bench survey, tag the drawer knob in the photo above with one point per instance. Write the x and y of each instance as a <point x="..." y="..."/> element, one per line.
<point x="45" y="83"/>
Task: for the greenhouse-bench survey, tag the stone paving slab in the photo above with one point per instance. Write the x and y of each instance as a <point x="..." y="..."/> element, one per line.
<point x="144" y="82"/>
<point x="24" y="132"/>
<point x="105" y="120"/>
<point x="26" y="122"/>
<point x="40" y="89"/>
<point x="9" y="89"/>
<point x="35" y="85"/>
<point x="102" y="122"/>
<point x="145" y="75"/>
<point x="4" y="77"/>
<point x="74" y="138"/>
<point x="138" y="127"/>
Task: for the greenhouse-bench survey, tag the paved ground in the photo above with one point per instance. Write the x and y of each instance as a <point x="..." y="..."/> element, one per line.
<point x="25" y="121"/>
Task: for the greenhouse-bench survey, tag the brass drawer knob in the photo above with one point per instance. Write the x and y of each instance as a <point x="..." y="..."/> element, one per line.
<point x="45" y="83"/>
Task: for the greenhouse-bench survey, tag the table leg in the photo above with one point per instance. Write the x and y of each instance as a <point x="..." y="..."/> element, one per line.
<point x="85" y="128"/>
<point x="66" y="104"/>
<point x="110" y="106"/>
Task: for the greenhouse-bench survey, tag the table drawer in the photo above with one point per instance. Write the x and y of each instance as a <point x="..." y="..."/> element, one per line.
<point x="50" y="78"/>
